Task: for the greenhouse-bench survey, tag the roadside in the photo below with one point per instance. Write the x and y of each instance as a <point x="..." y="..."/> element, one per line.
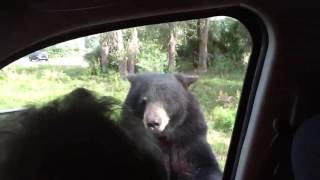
<point x="64" y="61"/>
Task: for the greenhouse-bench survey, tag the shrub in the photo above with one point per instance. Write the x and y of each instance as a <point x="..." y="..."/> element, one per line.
<point x="224" y="118"/>
<point x="151" y="58"/>
<point x="92" y="58"/>
<point x="57" y="52"/>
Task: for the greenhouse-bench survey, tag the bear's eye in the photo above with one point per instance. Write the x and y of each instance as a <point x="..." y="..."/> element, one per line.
<point x="143" y="101"/>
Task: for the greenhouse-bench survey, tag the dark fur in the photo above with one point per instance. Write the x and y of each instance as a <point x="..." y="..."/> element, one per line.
<point x="187" y="154"/>
<point x="72" y="138"/>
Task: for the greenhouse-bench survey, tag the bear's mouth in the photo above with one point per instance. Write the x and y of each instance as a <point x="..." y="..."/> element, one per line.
<point x="154" y="127"/>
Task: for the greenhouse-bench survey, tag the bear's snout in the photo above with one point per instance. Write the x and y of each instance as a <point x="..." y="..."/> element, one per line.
<point x="153" y="120"/>
<point x="155" y="117"/>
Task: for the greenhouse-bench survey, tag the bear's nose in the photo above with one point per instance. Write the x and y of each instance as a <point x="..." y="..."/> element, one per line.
<point x="153" y="124"/>
<point x="153" y="121"/>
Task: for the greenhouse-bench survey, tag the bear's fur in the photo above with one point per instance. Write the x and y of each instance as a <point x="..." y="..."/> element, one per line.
<point x="156" y="98"/>
<point x="72" y="138"/>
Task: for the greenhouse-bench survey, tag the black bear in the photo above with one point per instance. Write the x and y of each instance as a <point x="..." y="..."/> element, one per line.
<point x="170" y="115"/>
<point x="73" y="138"/>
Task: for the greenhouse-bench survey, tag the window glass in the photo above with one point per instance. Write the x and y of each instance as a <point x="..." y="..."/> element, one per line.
<point x="216" y="49"/>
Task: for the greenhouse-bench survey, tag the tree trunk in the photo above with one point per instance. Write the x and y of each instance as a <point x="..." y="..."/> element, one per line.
<point x="133" y="49"/>
<point x="120" y="46"/>
<point x="171" y="48"/>
<point x="203" y="46"/>
<point x="123" y="70"/>
<point x="104" y="53"/>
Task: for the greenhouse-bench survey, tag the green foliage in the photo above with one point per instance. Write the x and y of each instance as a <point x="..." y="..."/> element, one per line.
<point x="189" y="49"/>
<point x="114" y="59"/>
<point x="219" y="95"/>
<point x="229" y="44"/>
<point x="58" y="52"/>
<point x="157" y="34"/>
<point x="223" y="65"/>
<point x="224" y="118"/>
<point x="92" y="58"/>
<point x="151" y="58"/>
<point x="233" y="40"/>
<point x="91" y="42"/>
<point x="235" y="36"/>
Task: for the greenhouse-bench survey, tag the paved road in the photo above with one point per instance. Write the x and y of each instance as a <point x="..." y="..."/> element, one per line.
<point x="65" y="61"/>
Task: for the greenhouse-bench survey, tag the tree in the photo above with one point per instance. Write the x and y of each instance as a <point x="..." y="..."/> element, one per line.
<point x="237" y="40"/>
<point x="188" y="46"/>
<point x="133" y="50"/>
<point x="104" y="50"/>
<point x="203" y="46"/>
<point x="91" y="42"/>
<point x="172" y="47"/>
<point x="111" y="49"/>
<point x="120" y="55"/>
<point x="120" y="45"/>
<point x="229" y="44"/>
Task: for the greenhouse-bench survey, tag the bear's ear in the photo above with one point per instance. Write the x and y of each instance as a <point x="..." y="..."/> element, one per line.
<point x="186" y="80"/>
<point x="131" y="77"/>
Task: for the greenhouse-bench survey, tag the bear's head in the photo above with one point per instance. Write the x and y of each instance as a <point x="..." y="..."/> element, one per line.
<point x="159" y="100"/>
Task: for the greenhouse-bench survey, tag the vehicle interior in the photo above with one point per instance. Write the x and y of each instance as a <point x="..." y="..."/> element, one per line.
<point x="279" y="90"/>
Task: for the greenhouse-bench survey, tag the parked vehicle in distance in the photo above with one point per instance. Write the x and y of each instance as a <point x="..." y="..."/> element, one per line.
<point x="38" y="56"/>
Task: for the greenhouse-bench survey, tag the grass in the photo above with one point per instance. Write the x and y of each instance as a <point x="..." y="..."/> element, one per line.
<point x="217" y="93"/>
<point x="212" y="92"/>
<point x="38" y="85"/>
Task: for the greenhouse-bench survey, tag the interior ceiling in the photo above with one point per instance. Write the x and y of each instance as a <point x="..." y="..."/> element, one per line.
<point x="25" y="23"/>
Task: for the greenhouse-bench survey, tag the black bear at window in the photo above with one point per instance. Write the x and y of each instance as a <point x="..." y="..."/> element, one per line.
<point x="170" y="115"/>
